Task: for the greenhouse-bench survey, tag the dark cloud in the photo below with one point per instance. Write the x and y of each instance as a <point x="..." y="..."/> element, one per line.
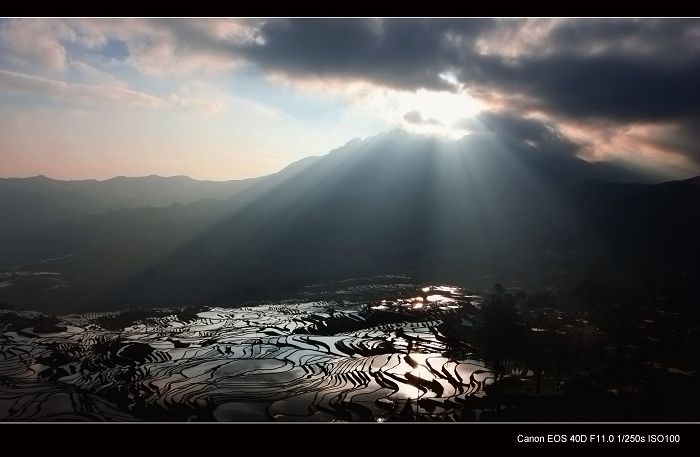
<point x="624" y="70"/>
<point x="521" y="132"/>
<point x="465" y="124"/>
<point x="660" y="37"/>
<point x="618" y="88"/>
<point x="415" y="117"/>
<point x="400" y="53"/>
<point x="621" y="69"/>
<point x="681" y="138"/>
<point x="528" y="141"/>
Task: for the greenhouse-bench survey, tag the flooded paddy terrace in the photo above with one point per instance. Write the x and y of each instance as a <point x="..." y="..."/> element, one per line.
<point x="317" y="360"/>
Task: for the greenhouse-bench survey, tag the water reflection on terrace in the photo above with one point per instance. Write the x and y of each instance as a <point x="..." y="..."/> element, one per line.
<point x="286" y="361"/>
<point x="430" y="297"/>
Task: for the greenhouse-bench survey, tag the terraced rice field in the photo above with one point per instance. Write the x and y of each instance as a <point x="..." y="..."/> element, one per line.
<point x="286" y="361"/>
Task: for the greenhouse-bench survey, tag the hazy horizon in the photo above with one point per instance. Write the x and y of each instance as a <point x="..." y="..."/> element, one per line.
<point x="649" y="174"/>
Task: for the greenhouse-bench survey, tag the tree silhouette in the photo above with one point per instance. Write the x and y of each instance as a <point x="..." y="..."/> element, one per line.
<point x="498" y="288"/>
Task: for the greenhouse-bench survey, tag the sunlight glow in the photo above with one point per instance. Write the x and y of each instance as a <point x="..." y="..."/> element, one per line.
<point x="436" y="111"/>
<point x="423" y="111"/>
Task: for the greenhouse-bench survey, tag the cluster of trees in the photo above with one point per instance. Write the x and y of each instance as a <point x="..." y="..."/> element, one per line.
<point x="585" y="350"/>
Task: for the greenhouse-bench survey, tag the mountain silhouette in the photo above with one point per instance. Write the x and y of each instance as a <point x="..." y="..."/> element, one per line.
<point x="30" y="205"/>
<point x="392" y="203"/>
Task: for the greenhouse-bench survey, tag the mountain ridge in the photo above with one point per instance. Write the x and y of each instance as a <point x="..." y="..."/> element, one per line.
<point x="390" y="203"/>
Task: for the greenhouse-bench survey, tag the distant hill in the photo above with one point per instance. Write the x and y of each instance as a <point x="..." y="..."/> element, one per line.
<point x="391" y="203"/>
<point x="28" y="205"/>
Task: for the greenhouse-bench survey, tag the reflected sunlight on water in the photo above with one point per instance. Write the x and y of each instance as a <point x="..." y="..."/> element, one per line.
<point x="286" y="361"/>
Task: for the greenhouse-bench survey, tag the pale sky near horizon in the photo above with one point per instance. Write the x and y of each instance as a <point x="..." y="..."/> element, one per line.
<point x="223" y="99"/>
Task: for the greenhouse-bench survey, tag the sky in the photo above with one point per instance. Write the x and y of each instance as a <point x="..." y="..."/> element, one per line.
<point x="220" y="99"/>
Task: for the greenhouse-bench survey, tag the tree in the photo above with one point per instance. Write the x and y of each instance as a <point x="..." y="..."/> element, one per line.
<point x="499" y="288"/>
